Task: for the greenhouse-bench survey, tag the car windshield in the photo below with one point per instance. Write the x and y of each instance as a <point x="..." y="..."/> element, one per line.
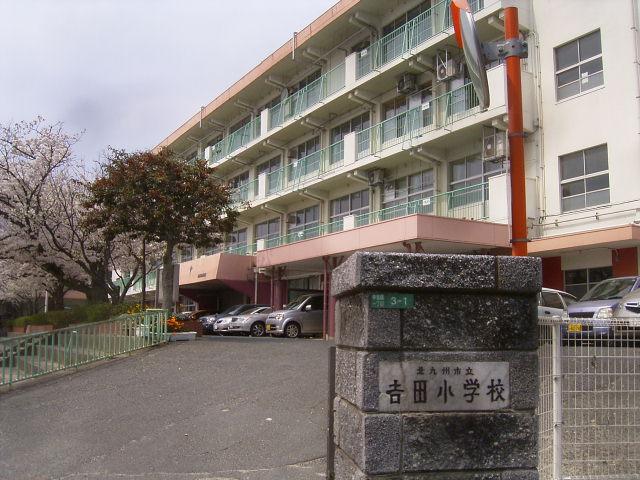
<point x="249" y="311"/>
<point x="610" y="289"/>
<point x="297" y="302"/>
<point x="230" y="310"/>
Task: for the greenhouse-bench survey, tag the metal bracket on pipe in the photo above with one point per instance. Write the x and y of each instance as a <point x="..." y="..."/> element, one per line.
<point x="505" y="48"/>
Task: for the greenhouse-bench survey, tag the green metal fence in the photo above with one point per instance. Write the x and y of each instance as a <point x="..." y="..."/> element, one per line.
<point x="433" y="115"/>
<point x="468" y="203"/>
<point x="38" y="354"/>
<point x="241" y="137"/>
<point x="418" y="30"/>
<point x="305" y="98"/>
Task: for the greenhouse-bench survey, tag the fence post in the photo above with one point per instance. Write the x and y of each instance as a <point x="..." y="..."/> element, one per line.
<point x="556" y="371"/>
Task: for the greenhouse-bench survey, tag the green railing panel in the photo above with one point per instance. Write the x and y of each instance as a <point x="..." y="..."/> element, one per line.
<point x="312" y="94"/>
<point x="38" y="354"/>
<point x="435" y="114"/>
<point x="241" y="137"/>
<point x="464" y="203"/>
<point x="418" y="30"/>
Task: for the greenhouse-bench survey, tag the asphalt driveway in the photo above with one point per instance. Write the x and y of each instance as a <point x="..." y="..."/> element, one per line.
<point x="217" y="408"/>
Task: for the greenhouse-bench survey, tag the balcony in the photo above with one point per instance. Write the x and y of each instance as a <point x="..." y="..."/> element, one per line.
<point x="305" y="98"/>
<point x="415" y="127"/>
<point x="228" y="145"/>
<point x="436" y="114"/>
<point x="407" y="37"/>
<point x="456" y="221"/>
<point x="470" y="203"/>
<point x="371" y="69"/>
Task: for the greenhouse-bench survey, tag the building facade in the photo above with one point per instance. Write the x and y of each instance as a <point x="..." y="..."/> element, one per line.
<point x="364" y="132"/>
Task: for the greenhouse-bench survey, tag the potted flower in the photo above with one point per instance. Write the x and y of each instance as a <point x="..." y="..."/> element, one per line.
<point x="175" y="331"/>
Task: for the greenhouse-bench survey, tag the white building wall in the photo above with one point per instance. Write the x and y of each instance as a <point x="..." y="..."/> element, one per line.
<point x="607" y="114"/>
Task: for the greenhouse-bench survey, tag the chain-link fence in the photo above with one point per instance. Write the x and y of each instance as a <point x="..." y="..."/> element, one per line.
<point x="589" y="408"/>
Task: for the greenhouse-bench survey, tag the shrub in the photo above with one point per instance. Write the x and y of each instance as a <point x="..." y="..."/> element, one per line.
<point x="63" y="318"/>
<point x="174" y="325"/>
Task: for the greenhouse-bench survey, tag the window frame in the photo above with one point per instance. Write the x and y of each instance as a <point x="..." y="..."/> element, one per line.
<point x="578" y="65"/>
<point x="584" y="177"/>
<point x="590" y="283"/>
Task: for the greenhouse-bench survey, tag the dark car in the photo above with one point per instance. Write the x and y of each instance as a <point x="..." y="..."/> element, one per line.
<point x="209" y="321"/>
<point x="598" y="305"/>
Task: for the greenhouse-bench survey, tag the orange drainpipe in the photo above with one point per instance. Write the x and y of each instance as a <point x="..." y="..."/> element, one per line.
<point x="516" y="139"/>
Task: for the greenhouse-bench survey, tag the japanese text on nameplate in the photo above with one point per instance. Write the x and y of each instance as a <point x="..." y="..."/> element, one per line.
<point x="443" y="386"/>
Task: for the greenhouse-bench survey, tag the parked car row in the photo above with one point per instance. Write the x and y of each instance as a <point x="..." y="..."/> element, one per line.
<point x="302" y="317"/>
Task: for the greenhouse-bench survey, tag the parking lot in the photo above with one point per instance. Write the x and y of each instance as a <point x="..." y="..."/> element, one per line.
<point x="217" y="408"/>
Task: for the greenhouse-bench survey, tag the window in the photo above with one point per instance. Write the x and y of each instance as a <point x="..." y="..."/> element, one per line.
<point x="186" y="253"/>
<point x="304" y="223"/>
<point x="268" y="230"/>
<point x="270" y="166"/>
<point x="305" y="148"/>
<point x="408" y="189"/>
<point x="578" y="282"/>
<point x="552" y="300"/>
<point x="239" y="180"/>
<point x="470" y="171"/>
<point x="584" y="178"/>
<point x="406" y="17"/>
<point x="297" y="169"/>
<point x="579" y="66"/>
<point x="186" y="304"/>
<point x="238" y="238"/>
<point x="353" y="204"/>
<point x="237" y="126"/>
<point x="356" y="124"/>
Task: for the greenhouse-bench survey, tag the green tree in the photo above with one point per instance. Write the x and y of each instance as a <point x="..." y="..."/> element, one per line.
<point x="162" y="198"/>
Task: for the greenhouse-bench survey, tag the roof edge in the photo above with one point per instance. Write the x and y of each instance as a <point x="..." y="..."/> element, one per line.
<point x="302" y="36"/>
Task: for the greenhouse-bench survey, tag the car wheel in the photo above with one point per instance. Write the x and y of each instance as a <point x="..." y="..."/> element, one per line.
<point x="257" y="330"/>
<point x="292" y="330"/>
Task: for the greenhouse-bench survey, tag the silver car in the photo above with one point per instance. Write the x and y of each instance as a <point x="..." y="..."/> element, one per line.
<point x="250" y="322"/>
<point x="627" y="316"/>
<point x="303" y="316"/>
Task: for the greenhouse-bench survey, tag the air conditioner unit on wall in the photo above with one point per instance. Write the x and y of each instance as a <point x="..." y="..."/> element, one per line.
<point x="407" y="83"/>
<point x="446" y="66"/>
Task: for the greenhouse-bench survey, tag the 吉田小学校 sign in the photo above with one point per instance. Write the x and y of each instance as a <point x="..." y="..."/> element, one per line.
<point x="416" y="385"/>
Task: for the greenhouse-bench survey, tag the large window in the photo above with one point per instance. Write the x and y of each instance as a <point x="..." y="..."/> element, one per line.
<point x="409" y="188"/>
<point x="467" y="172"/>
<point x="270" y="166"/>
<point x="579" y="66"/>
<point x="578" y="282"/>
<point x="353" y="204"/>
<point x="304" y="223"/>
<point x="297" y="169"/>
<point x="268" y="230"/>
<point x="237" y="238"/>
<point x="186" y="253"/>
<point x="406" y="17"/>
<point x="356" y="124"/>
<point x="239" y="180"/>
<point x="584" y="178"/>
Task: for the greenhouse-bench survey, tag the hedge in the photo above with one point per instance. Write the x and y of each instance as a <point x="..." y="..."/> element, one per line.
<point x="63" y="318"/>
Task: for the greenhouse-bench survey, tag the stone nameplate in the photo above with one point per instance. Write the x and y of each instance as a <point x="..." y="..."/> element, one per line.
<point x="416" y="385"/>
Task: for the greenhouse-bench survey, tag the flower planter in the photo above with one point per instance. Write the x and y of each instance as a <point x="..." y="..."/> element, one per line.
<point x="14" y="329"/>
<point x="192" y="326"/>
<point x="181" y="336"/>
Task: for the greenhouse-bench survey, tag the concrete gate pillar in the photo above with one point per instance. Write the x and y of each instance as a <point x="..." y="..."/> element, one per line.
<point x="436" y="367"/>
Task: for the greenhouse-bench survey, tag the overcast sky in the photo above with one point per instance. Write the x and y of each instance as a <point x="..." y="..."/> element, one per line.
<point x="129" y="72"/>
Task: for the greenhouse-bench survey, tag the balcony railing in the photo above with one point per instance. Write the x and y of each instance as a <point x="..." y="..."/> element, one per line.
<point x="443" y="110"/>
<point x="244" y="192"/>
<point x="303" y="169"/>
<point x="306" y="97"/>
<point x="229" y="144"/>
<point x="465" y="203"/>
<point x="428" y="24"/>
